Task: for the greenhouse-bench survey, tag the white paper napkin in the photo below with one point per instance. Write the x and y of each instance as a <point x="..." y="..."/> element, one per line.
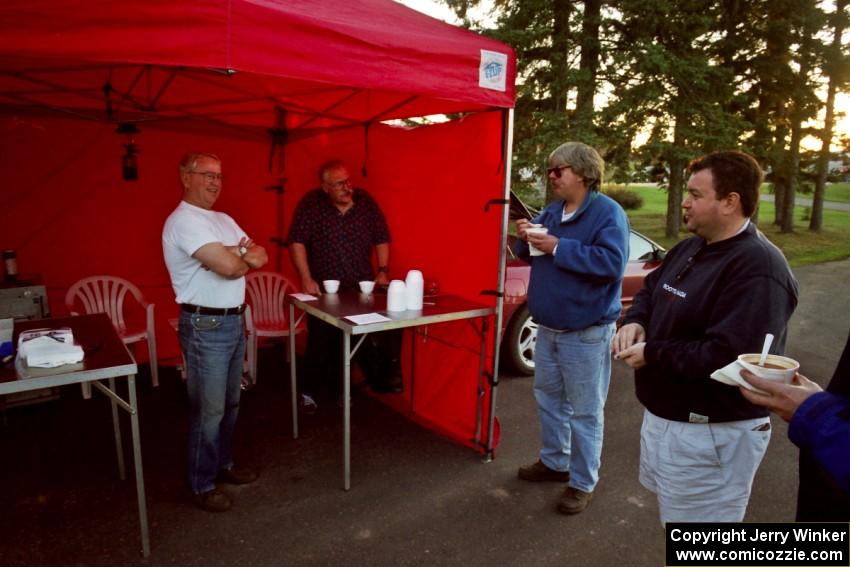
<point x="304" y="296"/>
<point x="367" y="318"/>
<point x="45" y="352"/>
<point x="731" y="375"/>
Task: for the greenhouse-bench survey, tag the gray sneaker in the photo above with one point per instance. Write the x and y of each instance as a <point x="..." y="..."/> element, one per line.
<point x="574" y="501"/>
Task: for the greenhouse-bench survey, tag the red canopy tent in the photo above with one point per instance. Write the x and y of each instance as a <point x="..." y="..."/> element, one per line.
<point x="274" y="88"/>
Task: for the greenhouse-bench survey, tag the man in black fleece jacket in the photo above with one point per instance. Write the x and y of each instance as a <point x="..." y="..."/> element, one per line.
<point x="716" y="296"/>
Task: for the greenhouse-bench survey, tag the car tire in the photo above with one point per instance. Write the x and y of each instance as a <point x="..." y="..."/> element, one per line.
<point x="519" y="342"/>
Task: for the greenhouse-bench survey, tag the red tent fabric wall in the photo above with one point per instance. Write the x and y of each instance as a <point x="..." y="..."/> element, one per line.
<point x="433" y="184"/>
<point x="354" y="60"/>
<point x="68" y="214"/>
<point x="217" y="75"/>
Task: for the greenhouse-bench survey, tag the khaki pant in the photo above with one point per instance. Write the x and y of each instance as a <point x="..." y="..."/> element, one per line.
<point x="701" y="472"/>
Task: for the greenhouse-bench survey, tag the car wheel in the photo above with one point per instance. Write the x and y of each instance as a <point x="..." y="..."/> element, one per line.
<point x="520" y="341"/>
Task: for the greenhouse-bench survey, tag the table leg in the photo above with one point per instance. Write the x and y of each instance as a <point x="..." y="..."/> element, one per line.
<point x="116" y="428"/>
<point x="491" y="422"/>
<point x="137" y="458"/>
<point x="482" y="370"/>
<point x="293" y="387"/>
<point x="413" y="332"/>
<point x="346" y="394"/>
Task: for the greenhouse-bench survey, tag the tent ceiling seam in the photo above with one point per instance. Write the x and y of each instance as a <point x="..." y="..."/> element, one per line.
<point x="133" y="84"/>
<point x="153" y="105"/>
<point x="275" y="100"/>
<point x="60" y="109"/>
<point x="163" y="89"/>
<point x="396" y="106"/>
<point x="326" y="111"/>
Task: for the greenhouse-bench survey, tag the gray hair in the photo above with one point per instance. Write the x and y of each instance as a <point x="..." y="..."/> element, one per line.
<point x="329" y="166"/>
<point x="190" y="161"/>
<point x="584" y="161"/>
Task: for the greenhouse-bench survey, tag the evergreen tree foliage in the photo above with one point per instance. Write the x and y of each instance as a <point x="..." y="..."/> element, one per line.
<point x="836" y="68"/>
<point x="655" y="83"/>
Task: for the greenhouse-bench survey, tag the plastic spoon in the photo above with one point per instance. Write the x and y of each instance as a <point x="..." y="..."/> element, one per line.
<point x="768" y="340"/>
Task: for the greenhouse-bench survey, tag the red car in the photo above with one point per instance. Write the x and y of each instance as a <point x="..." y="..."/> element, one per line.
<point x="519" y="333"/>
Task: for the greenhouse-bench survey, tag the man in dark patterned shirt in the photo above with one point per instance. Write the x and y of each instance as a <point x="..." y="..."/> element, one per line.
<point x="334" y="230"/>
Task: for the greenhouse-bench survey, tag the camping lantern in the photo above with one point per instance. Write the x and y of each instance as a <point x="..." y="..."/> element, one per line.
<point x="129" y="163"/>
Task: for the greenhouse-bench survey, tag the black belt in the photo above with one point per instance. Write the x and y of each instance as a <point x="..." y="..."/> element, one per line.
<point x="199" y="310"/>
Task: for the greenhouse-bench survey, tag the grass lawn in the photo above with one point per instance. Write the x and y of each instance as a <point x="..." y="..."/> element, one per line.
<point x="801" y="247"/>
<point x="838" y="192"/>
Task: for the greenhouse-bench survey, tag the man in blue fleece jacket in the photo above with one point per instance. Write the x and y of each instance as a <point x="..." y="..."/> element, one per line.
<point x="715" y="296"/>
<point x="574" y="297"/>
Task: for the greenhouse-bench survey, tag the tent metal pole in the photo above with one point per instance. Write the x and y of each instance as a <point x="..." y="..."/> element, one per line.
<point x="507" y="140"/>
<point x="280" y="139"/>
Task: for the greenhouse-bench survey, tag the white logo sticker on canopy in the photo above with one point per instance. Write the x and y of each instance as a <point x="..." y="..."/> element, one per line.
<point x="492" y="72"/>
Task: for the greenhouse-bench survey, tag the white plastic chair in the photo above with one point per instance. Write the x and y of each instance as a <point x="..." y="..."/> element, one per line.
<point x="267" y="315"/>
<point x="108" y="294"/>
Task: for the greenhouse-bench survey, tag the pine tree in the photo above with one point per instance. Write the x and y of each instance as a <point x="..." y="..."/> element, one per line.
<point x="697" y="76"/>
<point x="558" y="60"/>
<point x="666" y="77"/>
<point x="836" y="66"/>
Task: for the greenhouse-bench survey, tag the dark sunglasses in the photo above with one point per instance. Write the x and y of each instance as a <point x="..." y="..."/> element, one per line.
<point x="556" y="171"/>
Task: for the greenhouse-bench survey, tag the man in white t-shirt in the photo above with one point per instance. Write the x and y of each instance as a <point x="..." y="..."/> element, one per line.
<point x="207" y="256"/>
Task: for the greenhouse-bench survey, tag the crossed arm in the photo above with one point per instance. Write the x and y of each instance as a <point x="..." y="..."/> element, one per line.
<point x="226" y="261"/>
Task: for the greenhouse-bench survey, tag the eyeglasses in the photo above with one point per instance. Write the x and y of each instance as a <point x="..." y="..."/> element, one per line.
<point x="686" y="268"/>
<point x="689" y="264"/>
<point x="556" y="171"/>
<point x="340" y="184"/>
<point x="210" y="176"/>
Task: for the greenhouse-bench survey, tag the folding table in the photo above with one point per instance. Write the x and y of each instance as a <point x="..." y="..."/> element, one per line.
<point x="335" y="308"/>
<point x="106" y="357"/>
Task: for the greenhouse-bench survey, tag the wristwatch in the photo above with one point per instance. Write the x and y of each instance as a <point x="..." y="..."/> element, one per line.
<point x="242" y="251"/>
<point x="384" y="269"/>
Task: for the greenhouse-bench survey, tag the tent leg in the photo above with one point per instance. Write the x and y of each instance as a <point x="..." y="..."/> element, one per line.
<point x="346" y="405"/>
<point x="507" y="149"/>
<point x="482" y="370"/>
<point x="413" y="333"/>
<point x="293" y="382"/>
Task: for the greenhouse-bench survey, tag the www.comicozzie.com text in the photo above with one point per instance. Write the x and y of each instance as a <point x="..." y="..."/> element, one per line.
<point x="756" y="534"/>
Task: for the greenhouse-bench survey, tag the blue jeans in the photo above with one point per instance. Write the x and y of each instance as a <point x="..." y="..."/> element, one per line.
<point x="214" y="347"/>
<point x="572" y="371"/>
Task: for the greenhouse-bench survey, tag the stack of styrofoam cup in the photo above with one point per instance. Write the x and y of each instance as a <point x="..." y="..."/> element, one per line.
<point x="396" y="296"/>
<point x="415" y="285"/>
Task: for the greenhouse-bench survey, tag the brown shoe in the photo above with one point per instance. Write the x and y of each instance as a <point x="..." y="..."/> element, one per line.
<point x="574" y="501"/>
<point x="539" y="472"/>
<point x="212" y="501"/>
<point x="237" y="475"/>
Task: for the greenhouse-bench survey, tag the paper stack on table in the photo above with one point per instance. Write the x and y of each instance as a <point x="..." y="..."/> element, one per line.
<point x="48" y="348"/>
<point x="367" y="318"/>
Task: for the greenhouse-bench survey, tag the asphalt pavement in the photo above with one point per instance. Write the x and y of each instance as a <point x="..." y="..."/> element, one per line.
<point x="416" y="498"/>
